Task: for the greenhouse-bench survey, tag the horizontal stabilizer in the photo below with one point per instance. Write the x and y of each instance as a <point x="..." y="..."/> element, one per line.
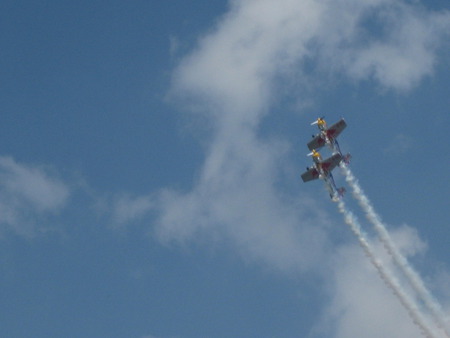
<point x="346" y="158"/>
<point x="341" y="191"/>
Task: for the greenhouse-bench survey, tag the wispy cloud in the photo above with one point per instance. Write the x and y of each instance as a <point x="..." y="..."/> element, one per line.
<point x="393" y="42"/>
<point x="400" y="144"/>
<point x="127" y="209"/>
<point x="28" y="193"/>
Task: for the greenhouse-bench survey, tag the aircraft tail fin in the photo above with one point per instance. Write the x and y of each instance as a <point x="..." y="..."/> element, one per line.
<point x="338" y="195"/>
<point x="346" y="158"/>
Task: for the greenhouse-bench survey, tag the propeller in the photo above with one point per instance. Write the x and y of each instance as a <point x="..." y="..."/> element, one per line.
<point x="314" y="153"/>
<point x="317" y="121"/>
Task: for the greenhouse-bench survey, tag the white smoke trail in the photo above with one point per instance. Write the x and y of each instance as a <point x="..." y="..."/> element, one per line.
<point x="415" y="280"/>
<point x="388" y="278"/>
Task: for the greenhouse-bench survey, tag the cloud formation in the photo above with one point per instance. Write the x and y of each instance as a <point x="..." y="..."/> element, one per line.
<point x="127" y="209"/>
<point x="392" y="42"/>
<point x="28" y="193"/>
<point x="232" y="78"/>
<point x="234" y="67"/>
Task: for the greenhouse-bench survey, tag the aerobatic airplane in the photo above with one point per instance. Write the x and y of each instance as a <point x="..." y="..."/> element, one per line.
<point x="322" y="169"/>
<point x="327" y="136"/>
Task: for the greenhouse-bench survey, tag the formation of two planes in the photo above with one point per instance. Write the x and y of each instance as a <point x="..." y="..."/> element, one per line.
<point x="322" y="168"/>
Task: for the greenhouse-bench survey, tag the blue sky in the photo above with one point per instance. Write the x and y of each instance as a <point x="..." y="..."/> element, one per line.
<point x="151" y="155"/>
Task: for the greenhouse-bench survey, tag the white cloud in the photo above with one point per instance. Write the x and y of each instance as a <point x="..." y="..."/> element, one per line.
<point x="392" y="41"/>
<point x="236" y="200"/>
<point x="128" y="209"/>
<point x="361" y="305"/>
<point x="27" y="193"/>
<point x="232" y="77"/>
<point x="402" y="53"/>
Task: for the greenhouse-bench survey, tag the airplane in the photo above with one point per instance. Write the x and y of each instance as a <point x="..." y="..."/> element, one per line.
<point x="322" y="169"/>
<point x="327" y="136"/>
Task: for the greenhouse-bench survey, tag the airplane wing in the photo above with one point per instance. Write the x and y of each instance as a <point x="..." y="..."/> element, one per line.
<point x="336" y="129"/>
<point x="310" y="175"/>
<point x="317" y="142"/>
<point x="330" y="163"/>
